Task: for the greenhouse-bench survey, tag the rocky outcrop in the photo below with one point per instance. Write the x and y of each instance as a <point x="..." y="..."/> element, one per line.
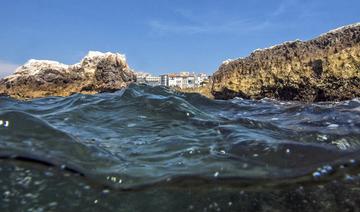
<point x="323" y="69"/>
<point x="97" y="72"/>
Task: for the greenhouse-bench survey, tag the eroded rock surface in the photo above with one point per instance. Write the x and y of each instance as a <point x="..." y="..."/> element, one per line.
<point x="323" y="69"/>
<point x="97" y="72"/>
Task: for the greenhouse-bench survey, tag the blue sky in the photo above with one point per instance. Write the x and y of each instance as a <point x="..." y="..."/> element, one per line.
<point x="161" y="36"/>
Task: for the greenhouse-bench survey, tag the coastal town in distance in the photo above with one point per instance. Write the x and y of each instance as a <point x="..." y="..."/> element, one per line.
<point x="181" y="80"/>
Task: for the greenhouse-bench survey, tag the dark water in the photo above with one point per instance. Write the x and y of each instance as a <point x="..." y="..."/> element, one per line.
<point x="151" y="149"/>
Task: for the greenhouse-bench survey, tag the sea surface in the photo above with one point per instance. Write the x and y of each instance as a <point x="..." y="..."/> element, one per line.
<point x="153" y="149"/>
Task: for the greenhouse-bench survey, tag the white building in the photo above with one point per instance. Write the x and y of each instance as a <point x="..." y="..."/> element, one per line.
<point x="153" y="80"/>
<point x="181" y="80"/>
<point x="200" y="78"/>
<point x="164" y="80"/>
<point x="140" y="76"/>
<point x="143" y="77"/>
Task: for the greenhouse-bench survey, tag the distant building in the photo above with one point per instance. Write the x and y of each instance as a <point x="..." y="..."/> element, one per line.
<point x="181" y="79"/>
<point x="140" y="76"/>
<point x="143" y="77"/>
<point x="200" y="79"/>
<point x="152" y="80"/>
<point x="164" y="79"/>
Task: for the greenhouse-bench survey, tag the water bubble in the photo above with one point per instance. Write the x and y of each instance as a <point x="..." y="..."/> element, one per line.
<point x="342" y="144"/>
<point x="230" y="204"/>
<point x="53" y="204"/>
<point x="25" y="181"/>
<point x="274" y="119"/>
<point x="352" y="161"/>
<point x="113" y="179"/>
<point x="328" y="168"/>
<point x="216" y="174"/>
<point x="49" y="174"/>
<point x="322" y="171"/>
<point x="223" y="152"/>
<point x="4" y="123"/>
<point x="333" y="126"/>
<point x="131" y="125"/>
<point x="288" y="151"/>
<point x="316" y="174"/>
<point x="106" y="191"/>
<point x="187" y="114"/>
<point x="191" y="150"/>
<point x="349" y="177"/>
<point x="322" y="137"/>
<point x="255" y="155"/>
<point x="38" y="182"/>
<point x="96" y="201"/>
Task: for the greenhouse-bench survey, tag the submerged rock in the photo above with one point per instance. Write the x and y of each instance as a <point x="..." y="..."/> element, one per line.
<point x="97" y="72"/>
<point x="326" y="68"/>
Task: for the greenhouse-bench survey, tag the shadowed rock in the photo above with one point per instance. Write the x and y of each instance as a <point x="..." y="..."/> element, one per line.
<point x="97" y="72"/>
<point x="323" y="69"/>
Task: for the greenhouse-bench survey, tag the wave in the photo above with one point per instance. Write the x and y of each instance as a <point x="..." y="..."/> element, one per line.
<point x="149" y="136"/>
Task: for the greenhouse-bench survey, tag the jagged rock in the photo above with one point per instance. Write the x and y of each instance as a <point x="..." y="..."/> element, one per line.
<point x="323" y="69"/>
<point x="97" y="72"/>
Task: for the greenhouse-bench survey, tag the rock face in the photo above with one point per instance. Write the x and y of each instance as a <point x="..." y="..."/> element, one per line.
<point x="323" y="69"/>
<point x="97" y="72"/>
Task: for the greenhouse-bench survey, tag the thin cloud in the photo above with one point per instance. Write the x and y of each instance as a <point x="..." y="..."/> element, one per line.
<point x="283" y="7"/>
<point x="7" y="68"/>
<point x="159" y="27"/>
<point x="199" y="23"/>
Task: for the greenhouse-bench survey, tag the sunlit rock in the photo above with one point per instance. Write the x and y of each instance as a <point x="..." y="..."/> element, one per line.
<point x="326" y="68"/>
<point x="97" y="72"/>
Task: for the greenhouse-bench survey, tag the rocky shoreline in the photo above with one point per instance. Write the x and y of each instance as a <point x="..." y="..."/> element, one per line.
<point x="326" y="68"/>
<point x="96" y="72"/>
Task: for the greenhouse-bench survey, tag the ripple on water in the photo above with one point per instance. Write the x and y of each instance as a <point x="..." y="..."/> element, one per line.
<point x="144" y="135"/>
